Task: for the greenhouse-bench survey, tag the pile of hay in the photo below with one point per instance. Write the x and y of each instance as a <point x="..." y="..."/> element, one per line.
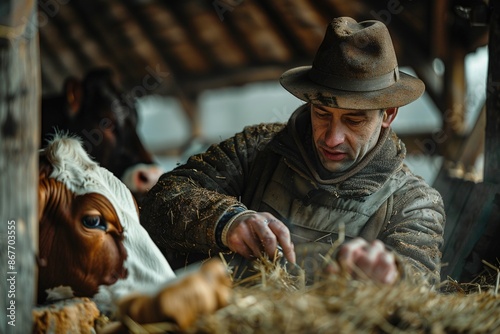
<point x="273" y="301"/>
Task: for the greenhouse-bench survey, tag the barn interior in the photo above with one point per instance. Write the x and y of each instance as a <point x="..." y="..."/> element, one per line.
<point x="200" y="70"/>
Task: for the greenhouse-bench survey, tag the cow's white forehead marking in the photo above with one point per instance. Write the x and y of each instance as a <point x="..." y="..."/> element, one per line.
<point x="79" y="173"/>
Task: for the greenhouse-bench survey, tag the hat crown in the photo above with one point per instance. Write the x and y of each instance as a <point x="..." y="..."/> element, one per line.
<point x="355" y="67"/>
<point x="361" y="54"/>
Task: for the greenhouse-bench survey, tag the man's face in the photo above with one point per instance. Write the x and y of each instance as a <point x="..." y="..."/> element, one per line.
<point x="342" y="137"/>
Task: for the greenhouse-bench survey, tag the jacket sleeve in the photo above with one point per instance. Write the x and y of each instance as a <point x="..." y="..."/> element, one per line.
<point x="181" y="212"/>
<point x="415" y="229"/>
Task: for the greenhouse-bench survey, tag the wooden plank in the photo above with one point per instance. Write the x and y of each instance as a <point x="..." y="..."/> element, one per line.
<point x="478" y="212"/>
<point x="80" y="41"/>
<point x="455" y="200"/>
<point x="454" y="93"/>
<point x="492" y="141"/>
<point x="487" y="247"/>
<point x="19" y="140"/>
<point x="163" y="29"/>
<point x="255" y="29"/>
<point x="103" y="30"/>
<point x="300" y="18"/>
<point x="449" y="188"/>
<point x="64" y="55"/>
<point x="472" y="148"/>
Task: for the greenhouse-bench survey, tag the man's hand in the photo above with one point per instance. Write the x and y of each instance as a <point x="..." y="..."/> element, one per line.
<point x="367" y="260"/>
<point x="256" y="232"/>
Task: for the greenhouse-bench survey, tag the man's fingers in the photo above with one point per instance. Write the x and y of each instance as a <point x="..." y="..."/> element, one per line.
<point x="268" y="240"/>
<point x="391" y="277"/>
<point x="283" y="238"/>
<point x="255" y="233"/>
<point x="373" y="260"/>
<point x="386" y="270"/>
<point x="370" y="261"/>
<point x="251" y="236"/>
<point x="240" y="240"/>
<point x="350" y="253"/>
<point x="352" y="248"/>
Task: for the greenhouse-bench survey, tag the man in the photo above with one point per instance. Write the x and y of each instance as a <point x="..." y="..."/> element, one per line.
<point x="335" y="165"/>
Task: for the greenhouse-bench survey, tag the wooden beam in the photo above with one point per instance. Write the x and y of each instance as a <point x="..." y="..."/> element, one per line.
<point x="471" y="149"/>
<point x="478" y="207"/>
<point x="194" y="86"/>
<point x="253" y="29"/>
<point x="52" y="71"/>
<point x="301" y="19"/>
<point x="19" y="140"/>
<point x="156" y="21"/>
<point x="210" y="35"/>
<point x="492" y="139"/>
<point x="438" y="28"/>
<point x="89" y="52"/>
<point x="98" y="28"/>
<point x="53" y="42"/>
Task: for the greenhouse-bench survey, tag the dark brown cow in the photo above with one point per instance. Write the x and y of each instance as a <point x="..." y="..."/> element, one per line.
<point x="105" y="118"/>
<point x="91" y="244"/>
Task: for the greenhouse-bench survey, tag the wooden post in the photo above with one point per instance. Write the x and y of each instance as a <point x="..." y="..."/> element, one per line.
<point x="492" y="136"/>
<point x="19" y="140"/>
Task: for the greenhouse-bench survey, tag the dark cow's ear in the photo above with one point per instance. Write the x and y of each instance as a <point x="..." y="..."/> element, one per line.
<point x="74" y="95"/>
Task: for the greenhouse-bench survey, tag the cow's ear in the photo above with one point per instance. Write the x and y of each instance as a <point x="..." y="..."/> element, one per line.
<point x="74" y="94"/>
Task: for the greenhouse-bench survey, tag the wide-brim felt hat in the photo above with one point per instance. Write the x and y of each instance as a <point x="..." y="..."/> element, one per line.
<point x="355" y="67"/>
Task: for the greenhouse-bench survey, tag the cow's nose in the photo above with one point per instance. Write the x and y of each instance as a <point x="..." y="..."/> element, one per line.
<point x="140" y="178"/>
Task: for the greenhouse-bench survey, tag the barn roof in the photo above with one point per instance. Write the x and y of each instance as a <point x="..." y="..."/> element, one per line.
<point x="193" y="45"/>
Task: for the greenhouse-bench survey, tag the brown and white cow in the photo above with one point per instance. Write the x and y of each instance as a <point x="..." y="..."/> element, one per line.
<point x="105" y="117"/>
<point x="91" y="244"/>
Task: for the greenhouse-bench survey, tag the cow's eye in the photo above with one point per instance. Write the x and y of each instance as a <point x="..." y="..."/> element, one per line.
<point x="95" y="222"/>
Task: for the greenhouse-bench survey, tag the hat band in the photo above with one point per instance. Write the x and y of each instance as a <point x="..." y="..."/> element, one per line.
<point x="354" y="85"/>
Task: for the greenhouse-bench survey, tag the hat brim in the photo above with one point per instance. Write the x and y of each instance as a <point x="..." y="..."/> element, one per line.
<point x="406" y="90"/>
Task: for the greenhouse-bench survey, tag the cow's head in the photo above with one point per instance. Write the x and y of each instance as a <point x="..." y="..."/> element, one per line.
<point x="105" y="117"/>
<point x="81" y="210"/>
